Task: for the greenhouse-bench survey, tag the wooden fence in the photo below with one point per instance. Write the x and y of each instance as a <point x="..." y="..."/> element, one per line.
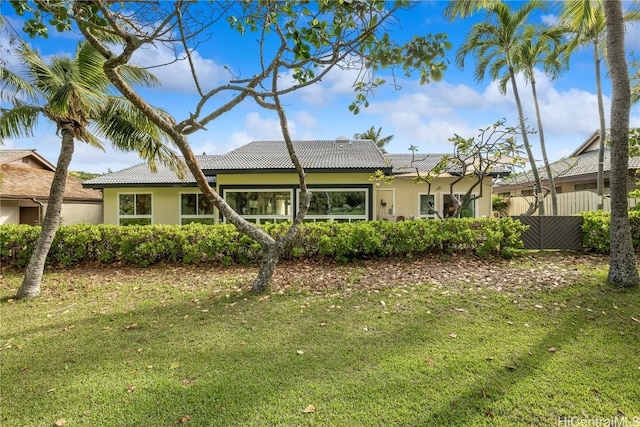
<point x="568" y="203"/>
<point x="552" y="232"/>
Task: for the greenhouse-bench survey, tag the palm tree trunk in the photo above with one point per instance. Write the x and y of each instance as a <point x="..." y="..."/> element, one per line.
<point x="622" y="261"/>
<point x="527" y="146"/>
<point x="30" y="287"/>
<point x="550" y="179"/>
<point x="600" y="177"/>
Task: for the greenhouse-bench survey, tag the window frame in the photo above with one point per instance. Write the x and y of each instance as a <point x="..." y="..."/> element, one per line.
<point x="262" y="218"/>
<point x="196" y="216"/>
<point x="339" y="218"/>
<point x="135" y="203"/>
<point x="432" y="215"/>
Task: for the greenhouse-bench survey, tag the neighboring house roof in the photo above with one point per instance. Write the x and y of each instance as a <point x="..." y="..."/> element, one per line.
<point x="578" y="167"/>
<point x="22" y="182"/>
<point x="317" y="156"/>
<point x="591" y="143"/>
<point x="141" y="175"/>
<point x="25" y="158"/>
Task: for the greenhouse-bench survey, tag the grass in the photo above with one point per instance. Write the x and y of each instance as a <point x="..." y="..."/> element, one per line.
<point x="167" y="346"/>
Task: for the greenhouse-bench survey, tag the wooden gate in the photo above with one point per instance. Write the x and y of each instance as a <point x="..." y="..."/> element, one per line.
<point x="552" y="232"/>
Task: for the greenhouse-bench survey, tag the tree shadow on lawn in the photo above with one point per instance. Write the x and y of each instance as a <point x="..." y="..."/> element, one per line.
<point x="155" y="365"/>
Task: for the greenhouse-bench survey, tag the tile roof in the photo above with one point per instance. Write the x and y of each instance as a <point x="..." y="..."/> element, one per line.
<point x="140" y="174"/>
<point x="402" y="163"/>
<point x="26" y="182"/>
<point x="583" y="164"/>
<point x="8" y="156"/>
<point x="258" y="156"/>
<point x="316" y="154"/>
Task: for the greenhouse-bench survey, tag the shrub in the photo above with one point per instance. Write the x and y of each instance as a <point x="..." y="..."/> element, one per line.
<point x="595" y="230"/>
<point x="145" y="245"/>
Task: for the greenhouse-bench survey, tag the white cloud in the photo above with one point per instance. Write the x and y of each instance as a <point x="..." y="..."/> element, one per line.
<point x="267" y="129"/>
<point x="176" y="74"/>
<point x="306" y="119"/>
<point x="90" y="159"/>
<point x="429" y="115"/>
<point x="239" y="138"/>
<point x="336" y="83"/>
<point x="550" y="19"/>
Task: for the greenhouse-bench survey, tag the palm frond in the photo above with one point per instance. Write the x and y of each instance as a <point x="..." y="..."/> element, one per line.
<point x="134" y="75"/>
<point x="47" y="79"/>
<point x="13" y="86"/>
<point x="130" y="130"/>
<point x="76" y="90"/>
<point x="19" y="121"/>
<point x="90" y="71"/>
<point x="465" y="8"/>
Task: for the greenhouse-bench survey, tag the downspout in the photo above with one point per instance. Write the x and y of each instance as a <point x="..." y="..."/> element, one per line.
<point x="40" y="207"/>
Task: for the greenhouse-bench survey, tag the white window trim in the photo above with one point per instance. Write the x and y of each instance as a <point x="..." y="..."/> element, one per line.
<point x="435" y="206"/>
<point x="350" y="218"/>
<point x="196" y="216"/>
<point x="263" y="218"/>
<point x="135" y="193"/>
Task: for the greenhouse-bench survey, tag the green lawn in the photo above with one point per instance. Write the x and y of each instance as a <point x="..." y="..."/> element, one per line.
<point x="372" y="344"/>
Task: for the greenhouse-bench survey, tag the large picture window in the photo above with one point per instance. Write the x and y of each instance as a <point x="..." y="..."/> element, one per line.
<point x="448" y="207"/>
<point x="338" y="204"/>
<point x="195" y="208"/>
<point x="428" y="206"/>
<point x="261" y="205"/>
<point x="134" y="209"/>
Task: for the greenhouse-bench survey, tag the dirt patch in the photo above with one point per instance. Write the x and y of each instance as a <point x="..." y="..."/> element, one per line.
<point x="535" y="271"/>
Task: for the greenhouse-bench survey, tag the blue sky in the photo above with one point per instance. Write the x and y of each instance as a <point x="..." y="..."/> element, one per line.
<point x="425" y="116"/>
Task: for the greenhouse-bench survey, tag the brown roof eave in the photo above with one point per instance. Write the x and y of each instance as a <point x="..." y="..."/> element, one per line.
<point x="46" y="199"/>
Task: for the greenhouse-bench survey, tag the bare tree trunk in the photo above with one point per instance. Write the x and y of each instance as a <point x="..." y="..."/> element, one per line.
<point x="527" y="146"/>
<point x="622" y="262"/>
<point x="30" y="287"/>
<point x="603" y="130"/>
<point x="543" y="149"/>
<point x="272" y="251"/>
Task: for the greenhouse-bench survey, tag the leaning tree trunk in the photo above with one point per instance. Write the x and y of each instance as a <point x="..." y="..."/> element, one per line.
<point x="543" y="149"/>
<point x="603" y="129"/>
<point x="30" y="287"/>
<point x="527" y="146"/>
<point x="622" y="261"/>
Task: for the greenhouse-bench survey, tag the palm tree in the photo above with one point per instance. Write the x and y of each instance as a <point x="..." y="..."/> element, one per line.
<point x="585" y="21"/>
<point x="374" y="135"/>
<point x="74" y="94"/>
<point x="466" y="8"/>
<point x="540" y="46"/>
<point x="495" y="44"/>
<point x="622" y="260"/>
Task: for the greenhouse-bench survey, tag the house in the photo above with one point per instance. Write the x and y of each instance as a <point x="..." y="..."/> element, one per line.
<point x="25" y="182"/>
<point x="259" y="181"/>
<point x="578" y="172"/>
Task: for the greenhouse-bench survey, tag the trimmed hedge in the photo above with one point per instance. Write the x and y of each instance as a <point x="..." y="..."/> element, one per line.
<point x="595" y="230"/>
<point x="223" y="244"/>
